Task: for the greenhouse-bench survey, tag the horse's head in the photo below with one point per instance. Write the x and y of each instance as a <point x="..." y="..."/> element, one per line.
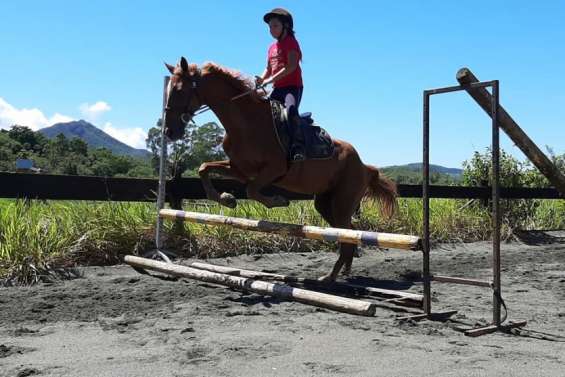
<point x="182" y="98"/>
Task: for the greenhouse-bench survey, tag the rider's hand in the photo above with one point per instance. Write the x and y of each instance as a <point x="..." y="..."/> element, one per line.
<point x="258" y="80"/>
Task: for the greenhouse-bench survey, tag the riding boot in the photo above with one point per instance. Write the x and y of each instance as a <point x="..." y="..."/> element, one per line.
<point x="297" y="149"/>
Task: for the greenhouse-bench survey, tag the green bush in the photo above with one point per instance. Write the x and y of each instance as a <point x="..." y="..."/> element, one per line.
<point x="516" y="214"/>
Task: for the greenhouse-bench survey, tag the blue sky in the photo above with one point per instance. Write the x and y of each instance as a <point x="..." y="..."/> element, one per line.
<point x="365" y="65"/>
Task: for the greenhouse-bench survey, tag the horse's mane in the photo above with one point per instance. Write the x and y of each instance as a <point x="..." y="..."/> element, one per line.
<point x="240" y="82"/>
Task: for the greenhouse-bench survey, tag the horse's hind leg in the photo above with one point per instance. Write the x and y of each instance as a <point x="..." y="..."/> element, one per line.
<point x="323" y="204"/>
<point x="344" y="201"/>
<point x="224" y="168"/>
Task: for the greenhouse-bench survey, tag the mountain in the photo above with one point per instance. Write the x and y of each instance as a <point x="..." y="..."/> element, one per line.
<point x="417" y="167"/>
<point x="93" y="136"/>
<point x="412" y="174"/>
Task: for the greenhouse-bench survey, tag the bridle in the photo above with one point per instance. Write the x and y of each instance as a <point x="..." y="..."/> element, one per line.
<point x="186" y="114"/>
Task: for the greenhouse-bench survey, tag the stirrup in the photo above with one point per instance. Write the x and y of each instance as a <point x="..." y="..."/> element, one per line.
<point x="298" y="157"/>
<point x="298" y="154"/>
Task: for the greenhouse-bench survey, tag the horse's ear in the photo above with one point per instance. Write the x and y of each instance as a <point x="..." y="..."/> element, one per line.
<point x="170" y="68"/>
<point x="183" y="64"/>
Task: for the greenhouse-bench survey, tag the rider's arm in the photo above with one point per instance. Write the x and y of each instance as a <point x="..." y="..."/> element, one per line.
<point x="266" y="73"/>
<point x="291" y="64"/>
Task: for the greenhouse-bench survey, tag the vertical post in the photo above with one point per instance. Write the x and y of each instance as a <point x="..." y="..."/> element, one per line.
<point x="495" y="205"/>
<point x="426" y="205"/>
<point x="162" y="169"/>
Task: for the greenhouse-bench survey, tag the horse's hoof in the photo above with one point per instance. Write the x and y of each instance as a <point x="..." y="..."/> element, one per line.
<point x="346" y="271"/>
<point x="328" y="279"/>
<point x="228" y="200"/>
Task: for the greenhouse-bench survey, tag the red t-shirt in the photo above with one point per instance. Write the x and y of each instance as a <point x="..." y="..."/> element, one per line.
<point x="278" y="53"/>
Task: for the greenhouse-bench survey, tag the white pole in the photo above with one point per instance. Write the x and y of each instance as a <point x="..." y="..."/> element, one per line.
<point x="162" y="170"/>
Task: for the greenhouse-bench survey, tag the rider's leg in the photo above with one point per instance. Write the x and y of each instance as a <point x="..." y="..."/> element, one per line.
<point x="290" y="97"/>
<point x="289" y="100"/>
<point x="297" y="150"/>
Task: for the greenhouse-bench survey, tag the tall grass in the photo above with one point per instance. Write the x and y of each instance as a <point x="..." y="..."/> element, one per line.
<point x="36" y="236"/>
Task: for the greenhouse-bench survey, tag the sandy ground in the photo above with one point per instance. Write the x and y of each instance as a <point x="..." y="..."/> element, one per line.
<point x="116" y="322"/>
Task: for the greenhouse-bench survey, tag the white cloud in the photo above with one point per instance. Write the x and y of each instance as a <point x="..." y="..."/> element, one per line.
<point x="58" y="118"/>
<point x="92" y="112"/>
<point x="32" y="118"/>
<point x="35" y="119"/>
<point x="134" y="137"/>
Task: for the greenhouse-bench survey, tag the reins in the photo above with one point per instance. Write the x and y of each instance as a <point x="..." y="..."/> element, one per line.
<point x="204" y="108"/>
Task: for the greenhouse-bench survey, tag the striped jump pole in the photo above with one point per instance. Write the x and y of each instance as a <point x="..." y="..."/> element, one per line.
<point x="324" y="300"/>
<point x="358" y="237"/>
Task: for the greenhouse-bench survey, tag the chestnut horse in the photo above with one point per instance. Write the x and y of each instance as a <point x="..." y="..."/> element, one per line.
<point x="256" y="159"/>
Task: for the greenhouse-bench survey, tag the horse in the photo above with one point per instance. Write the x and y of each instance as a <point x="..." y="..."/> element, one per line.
<point x="256" y="158"/>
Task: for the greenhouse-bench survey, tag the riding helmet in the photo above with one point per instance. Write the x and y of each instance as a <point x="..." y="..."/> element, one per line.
<point x="281" y="14"/>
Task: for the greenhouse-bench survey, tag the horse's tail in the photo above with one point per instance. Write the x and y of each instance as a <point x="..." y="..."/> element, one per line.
<point x="383" y="189"/>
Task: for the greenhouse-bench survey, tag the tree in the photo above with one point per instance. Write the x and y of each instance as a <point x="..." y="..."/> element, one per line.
<point x="534" y="178"/>
<point x="78" y="146"/>
<point x="7" y="155"/>
<point x="142" y="170"/>
<point x="478" y="170"/>
<point x="513" y="173"/>
<point x="198" y="144"/>
<point x="65" y="156"/>
<point x="106" y="164"/>
<point x="26" y="137"/>
<point x="56" y="152"/>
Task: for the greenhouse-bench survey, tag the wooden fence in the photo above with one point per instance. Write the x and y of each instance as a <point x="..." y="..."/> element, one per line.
<point x="68" y="187"/>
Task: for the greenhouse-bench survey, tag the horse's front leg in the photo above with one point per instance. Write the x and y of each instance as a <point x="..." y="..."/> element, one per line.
<point x="263" y="179"/>
<point x="225" y="169"/>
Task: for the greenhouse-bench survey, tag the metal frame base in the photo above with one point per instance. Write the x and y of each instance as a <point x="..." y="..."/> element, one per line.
<point x="494" y="328"/>
<point x="164" y="255"/>
<point x="437" y="316"/>
<point x="156" y="254"/>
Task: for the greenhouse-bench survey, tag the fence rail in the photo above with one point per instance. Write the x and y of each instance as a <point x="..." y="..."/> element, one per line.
<point x="69" y="187"/>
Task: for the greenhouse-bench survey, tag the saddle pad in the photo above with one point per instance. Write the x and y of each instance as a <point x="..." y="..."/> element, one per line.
<point x="318" y="142"/>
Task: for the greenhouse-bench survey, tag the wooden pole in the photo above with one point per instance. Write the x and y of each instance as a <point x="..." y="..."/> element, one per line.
<point x="359" y="237"/>
<point x="402" y="297"/>
<point x="518" y="136"/>
<point x="464" y="281"/>
<point x="341" y="304"/>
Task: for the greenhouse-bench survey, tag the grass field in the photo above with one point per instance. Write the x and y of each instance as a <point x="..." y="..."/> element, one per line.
<point x="40" y="237"/>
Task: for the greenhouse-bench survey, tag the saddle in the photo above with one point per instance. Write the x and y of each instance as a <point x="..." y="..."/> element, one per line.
<point x="317" y="141"/>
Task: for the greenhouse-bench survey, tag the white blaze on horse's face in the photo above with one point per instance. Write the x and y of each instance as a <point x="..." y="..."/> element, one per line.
<point x="169" y="88"/>
<point x="174" y="120"/>
<point x="175" y="82"/>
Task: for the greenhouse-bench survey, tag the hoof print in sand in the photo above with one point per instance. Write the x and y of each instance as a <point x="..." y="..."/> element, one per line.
<point x="27" y="372"/>
<point x="7" y="351"/>
<point x="198" y="355"/>
<point x="121" y="324"/>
